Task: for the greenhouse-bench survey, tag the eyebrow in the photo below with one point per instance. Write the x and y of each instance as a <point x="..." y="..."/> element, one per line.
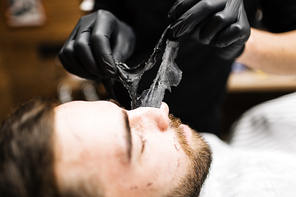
<point x="128" y="135"/>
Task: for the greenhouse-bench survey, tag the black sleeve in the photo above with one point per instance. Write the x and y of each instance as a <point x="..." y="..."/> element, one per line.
<point x="279" y="15"/>
<point x="117" y="7"/>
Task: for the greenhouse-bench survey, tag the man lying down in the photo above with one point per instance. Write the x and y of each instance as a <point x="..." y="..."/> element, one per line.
<point x="82" y="149"/>
<point x="99" y="149"/>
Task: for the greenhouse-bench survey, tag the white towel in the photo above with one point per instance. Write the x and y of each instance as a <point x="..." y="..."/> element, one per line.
<point x="240" y="172"/>
<point x="260" y="158"/>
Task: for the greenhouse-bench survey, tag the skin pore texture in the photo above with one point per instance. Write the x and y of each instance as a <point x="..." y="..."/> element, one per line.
<point x="118" y="152"/>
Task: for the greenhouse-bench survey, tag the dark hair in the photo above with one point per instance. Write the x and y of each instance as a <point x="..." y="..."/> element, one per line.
<point x="26" y="154"/>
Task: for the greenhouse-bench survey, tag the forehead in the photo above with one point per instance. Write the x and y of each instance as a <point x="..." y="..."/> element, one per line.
<point x="98" y="106"/>
<point x="88" y="136"/>
<point x="82" y="118"/>
<point x="89" y="131"/>
<point x="87" y="125"/>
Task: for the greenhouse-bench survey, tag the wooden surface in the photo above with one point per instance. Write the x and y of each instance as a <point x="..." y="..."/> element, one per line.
<point x="24" y="71"/>
<point x="61" y="19"/>
<point x="258" y="81"/>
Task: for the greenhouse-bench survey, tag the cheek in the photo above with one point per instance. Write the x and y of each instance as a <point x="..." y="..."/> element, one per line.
<point x="158" y="167"/>
<point x="115" y="175"/>
<point x="163" y="157"/>
<point x="157" y="174"/>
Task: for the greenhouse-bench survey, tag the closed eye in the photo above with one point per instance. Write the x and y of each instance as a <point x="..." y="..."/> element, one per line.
<point x="128" y="135"/>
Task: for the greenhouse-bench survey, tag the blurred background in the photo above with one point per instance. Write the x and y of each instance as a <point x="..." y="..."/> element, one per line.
<point x="32" y="33"/>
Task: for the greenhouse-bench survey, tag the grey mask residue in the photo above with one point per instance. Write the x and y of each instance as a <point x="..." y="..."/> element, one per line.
<point x="168" y="75"/>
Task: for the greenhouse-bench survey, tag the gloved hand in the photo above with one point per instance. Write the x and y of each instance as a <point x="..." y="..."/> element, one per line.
<point x="222" y="24"/>
<point x="97" y="41"/>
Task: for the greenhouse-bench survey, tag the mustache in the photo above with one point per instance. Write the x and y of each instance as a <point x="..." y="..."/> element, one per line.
<point x="175" y="124"/>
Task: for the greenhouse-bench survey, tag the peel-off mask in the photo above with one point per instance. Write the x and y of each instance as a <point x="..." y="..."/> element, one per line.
<point x="168" y="75"/>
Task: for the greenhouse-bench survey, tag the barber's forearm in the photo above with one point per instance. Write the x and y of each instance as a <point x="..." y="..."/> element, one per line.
<point x="272" y="53"/>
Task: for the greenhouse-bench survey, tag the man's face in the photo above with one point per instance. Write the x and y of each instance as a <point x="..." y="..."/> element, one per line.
<point x="122" y="153"/>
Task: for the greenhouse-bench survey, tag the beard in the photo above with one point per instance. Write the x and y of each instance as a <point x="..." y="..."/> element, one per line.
<point x="200" y="158"/>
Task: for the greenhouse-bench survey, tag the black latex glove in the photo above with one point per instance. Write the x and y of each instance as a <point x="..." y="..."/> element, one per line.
<point x="222" y="24"/>
<point x="97" y="41"/>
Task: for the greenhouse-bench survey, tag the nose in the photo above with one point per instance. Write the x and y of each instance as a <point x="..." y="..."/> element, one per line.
<point x="165" y="108"/>
<point x="148" y="118"/>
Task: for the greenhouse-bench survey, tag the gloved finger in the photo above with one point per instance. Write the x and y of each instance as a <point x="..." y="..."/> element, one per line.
<point x="196" y="33"/>
<point x="229" y="35"/>
<point x="86" y="23"/>
<point x="230" y="52"/>
<point x="84" y="53"/>
<point x="216" y="24"/>
<point x="104" y="27"/>
<point x="179" y="8"/>
<point x="61" y="55"/>
<point x="67" y="54"/>
<point x="195" y="15"/>
<point x="73" y="33"/>
<point x="235" y="32"/>
<point x="76" y="67"/>
<point x="65" y="63"/>
<point x="124" y="44"/>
